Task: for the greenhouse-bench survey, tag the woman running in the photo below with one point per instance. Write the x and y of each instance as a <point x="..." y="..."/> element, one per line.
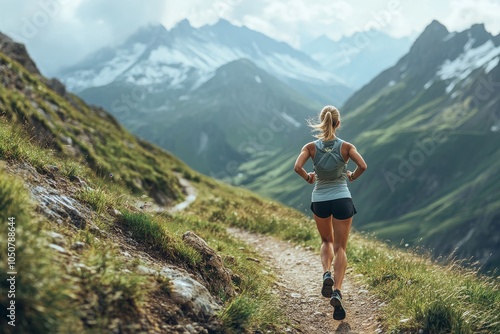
<point x="332" y="205"/>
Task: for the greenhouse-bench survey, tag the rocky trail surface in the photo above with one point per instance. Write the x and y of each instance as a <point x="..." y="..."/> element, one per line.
<point x="299" y="282"/>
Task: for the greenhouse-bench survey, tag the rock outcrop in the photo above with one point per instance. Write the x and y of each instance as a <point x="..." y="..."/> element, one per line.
<point x="215" y="274"/>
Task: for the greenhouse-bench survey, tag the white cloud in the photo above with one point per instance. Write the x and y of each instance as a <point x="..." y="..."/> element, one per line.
<point x="464" y="13"/>
<point x="60" y="32"/>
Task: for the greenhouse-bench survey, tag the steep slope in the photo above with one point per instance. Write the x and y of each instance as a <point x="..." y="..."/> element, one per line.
<point x="428" y="128"/>
<point x="89" y="135"/>
<point x="358" y="58"/>
<point x="179" y="60"/>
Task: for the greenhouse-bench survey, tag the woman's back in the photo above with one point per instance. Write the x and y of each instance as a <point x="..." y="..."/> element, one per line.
<point x="331" y="171"/>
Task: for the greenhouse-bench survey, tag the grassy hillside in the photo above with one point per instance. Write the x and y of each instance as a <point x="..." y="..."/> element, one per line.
<point x="88" y="265"/>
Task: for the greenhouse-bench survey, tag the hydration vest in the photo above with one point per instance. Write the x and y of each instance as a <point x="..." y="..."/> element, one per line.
<point x="328" y="161"/>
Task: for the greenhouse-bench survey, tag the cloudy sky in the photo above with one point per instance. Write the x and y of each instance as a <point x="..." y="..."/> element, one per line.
<point x="59" y="33"/>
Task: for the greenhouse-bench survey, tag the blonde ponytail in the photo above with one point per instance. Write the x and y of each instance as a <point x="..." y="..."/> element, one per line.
<point x="329" y="119"/>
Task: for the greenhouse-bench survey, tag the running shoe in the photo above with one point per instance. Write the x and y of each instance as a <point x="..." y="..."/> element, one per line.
<point x="327" y="288"/>
<point x="336" y="302"/>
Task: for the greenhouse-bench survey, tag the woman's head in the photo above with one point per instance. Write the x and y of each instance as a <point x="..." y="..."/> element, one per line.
<point x="329" y="122"/>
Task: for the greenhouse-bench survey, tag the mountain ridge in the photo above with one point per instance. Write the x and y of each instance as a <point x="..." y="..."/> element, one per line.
<point x="213" y="49"/>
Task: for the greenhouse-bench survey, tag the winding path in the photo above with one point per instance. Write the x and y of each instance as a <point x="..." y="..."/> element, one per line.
<point x="299" y="274"/>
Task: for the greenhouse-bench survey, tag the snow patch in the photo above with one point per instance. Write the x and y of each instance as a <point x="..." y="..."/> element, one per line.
<point x="428" y="85"/>
<point x="472" y="59"/>
<point x="391" y="83"/>
<point x="491" y="65"/>
<point x="258" y="79"/>
<point x="449" y="36"/>
<point x="109" y="70"/>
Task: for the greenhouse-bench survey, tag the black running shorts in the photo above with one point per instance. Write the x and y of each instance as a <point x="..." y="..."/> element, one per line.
<point x="341" y="208"/>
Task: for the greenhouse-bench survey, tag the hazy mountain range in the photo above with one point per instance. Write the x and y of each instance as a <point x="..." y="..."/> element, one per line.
<point x="358" y="58"/>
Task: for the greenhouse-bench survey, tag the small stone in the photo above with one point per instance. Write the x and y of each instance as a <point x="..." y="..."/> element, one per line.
<point x="114" y="212"/>
<point x="319" y="314"/>
<point x="79" y="245"/>
<point x="53" y="168"/>
<point x="67" y="140"/>
<point x="57" y="238"/>
<point x="420" y="331"/>
<point x="95" y="230"/>
<point x="79" y="180"/>
<point x="404" y="320"/>
<point x="363" y="291"/>
<point x="190" y="329"/>
<point x="58" y="248"/>
<point x="295" y="295"/>
<point x="241" y="248"/>
<point x="253" y="259"/>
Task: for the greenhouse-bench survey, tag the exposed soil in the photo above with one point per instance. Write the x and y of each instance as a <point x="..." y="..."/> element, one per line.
<point x="299" y="274"/>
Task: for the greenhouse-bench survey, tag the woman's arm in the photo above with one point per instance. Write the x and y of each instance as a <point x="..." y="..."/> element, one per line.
<point x="305" y="154"/>
<point x="358" y="160"/>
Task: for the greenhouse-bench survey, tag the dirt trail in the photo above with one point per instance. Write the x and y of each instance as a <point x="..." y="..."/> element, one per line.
<point x="299" y="273"/>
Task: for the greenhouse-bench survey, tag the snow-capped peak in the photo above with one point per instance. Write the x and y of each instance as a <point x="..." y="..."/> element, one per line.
<point x="486" y="55"/>
<point x="185" y="55"/>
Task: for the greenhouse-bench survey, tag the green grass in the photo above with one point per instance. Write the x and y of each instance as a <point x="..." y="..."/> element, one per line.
<point x="107" y="291"/>
<point x="436" y="299"/>
<point x="44" y="296"/>
<point x="151" y="232"/>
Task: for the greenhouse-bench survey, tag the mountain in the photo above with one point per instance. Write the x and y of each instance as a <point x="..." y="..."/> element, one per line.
<point x="17" y="52"/>
<point x="357" y="59"/>
<point x="241" y="114"/>
<point x="429" y="129"/>
<point x="180" y="60"/>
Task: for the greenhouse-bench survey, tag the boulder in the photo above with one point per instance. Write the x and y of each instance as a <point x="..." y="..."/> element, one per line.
<point x="217" y="277"/>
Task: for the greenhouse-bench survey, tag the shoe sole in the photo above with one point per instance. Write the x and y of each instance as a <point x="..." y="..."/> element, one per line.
<point x="327" y="289"/>
<point x="338" y="309"/>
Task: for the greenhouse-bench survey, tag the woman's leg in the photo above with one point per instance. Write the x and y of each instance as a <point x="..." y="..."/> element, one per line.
<point x="341" y="230"/>
<point x="325" y="230"/>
